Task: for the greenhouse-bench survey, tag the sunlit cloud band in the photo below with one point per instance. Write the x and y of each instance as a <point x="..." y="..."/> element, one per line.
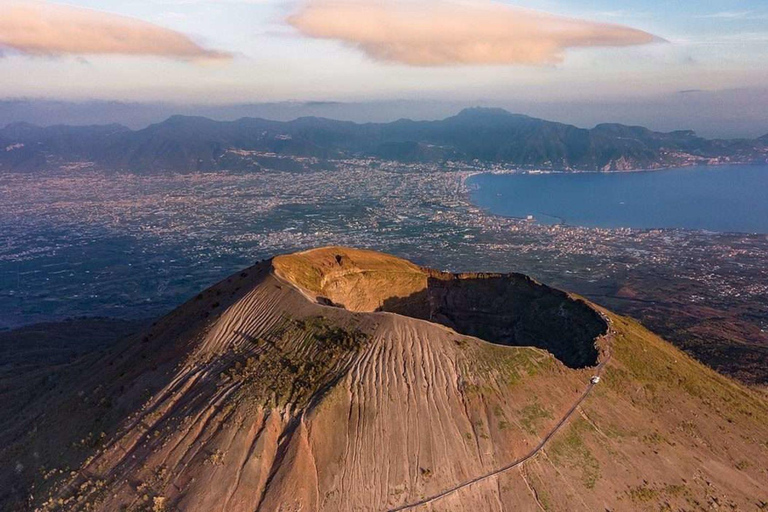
<point x="43" y="28"/>
<point x="443" y="32"/>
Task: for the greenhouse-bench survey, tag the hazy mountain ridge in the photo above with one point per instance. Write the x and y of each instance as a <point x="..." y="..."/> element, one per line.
<point x="491" y="136"/>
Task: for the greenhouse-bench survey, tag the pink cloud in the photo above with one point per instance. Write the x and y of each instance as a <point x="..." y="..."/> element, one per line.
<point x="444" y="32"/>
<point x="41" y="28"/>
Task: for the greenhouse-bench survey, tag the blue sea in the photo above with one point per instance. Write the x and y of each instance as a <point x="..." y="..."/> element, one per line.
<point x="722" y="199"/>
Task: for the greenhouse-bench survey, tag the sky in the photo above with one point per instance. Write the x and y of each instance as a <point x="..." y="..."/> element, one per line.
<point x="527" y="52"/>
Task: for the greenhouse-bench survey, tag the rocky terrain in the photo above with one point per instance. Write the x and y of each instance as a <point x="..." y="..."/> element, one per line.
<point x="341" y="379"/>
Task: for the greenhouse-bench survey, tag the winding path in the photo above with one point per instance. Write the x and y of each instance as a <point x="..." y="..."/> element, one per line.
<point x="518" y="462"/>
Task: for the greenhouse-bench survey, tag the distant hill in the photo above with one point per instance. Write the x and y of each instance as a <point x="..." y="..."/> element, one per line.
<point x="186" y="144"/>
<point x="28" y="147"/>
<point x="340" y="379"/>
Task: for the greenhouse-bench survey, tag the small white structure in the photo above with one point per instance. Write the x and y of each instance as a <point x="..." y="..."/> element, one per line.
<point x="595" y="379"/>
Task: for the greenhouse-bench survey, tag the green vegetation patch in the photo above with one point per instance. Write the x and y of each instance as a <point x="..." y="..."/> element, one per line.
<point x="540" y="488"/>
<point x="295" y="360"/>
<point x="569" y="450"/>
<point x="648" y="493"/>
<point x="531" y="417"/>
<point x="512" y="364"/>
<point x="647" y="359"/>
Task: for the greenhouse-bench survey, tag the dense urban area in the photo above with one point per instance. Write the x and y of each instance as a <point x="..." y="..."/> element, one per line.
<point x="82" y="242"/>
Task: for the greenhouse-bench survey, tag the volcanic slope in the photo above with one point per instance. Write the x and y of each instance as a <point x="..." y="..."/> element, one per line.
<point x="338" y="379"/>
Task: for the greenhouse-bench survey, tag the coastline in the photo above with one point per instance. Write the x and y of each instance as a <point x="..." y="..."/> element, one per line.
<point x="623" y="171"/>
<point x="670" y="207"/>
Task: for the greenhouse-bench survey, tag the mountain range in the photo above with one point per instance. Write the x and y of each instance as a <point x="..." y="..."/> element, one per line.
<point x="340" y="379"/>
<point x="477" y="135"/>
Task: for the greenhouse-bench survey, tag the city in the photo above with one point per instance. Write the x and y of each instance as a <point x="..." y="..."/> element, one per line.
<point x="88" y="242"/>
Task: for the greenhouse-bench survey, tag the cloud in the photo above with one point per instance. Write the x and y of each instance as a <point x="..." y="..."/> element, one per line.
<point x="444" y="32"/>
<point x="727" y="15"/>
<point x="41" y="28"/>
<point x="735" y="15"/>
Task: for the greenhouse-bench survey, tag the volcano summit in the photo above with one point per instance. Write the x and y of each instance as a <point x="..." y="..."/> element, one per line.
<point x="340" y="379"/>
